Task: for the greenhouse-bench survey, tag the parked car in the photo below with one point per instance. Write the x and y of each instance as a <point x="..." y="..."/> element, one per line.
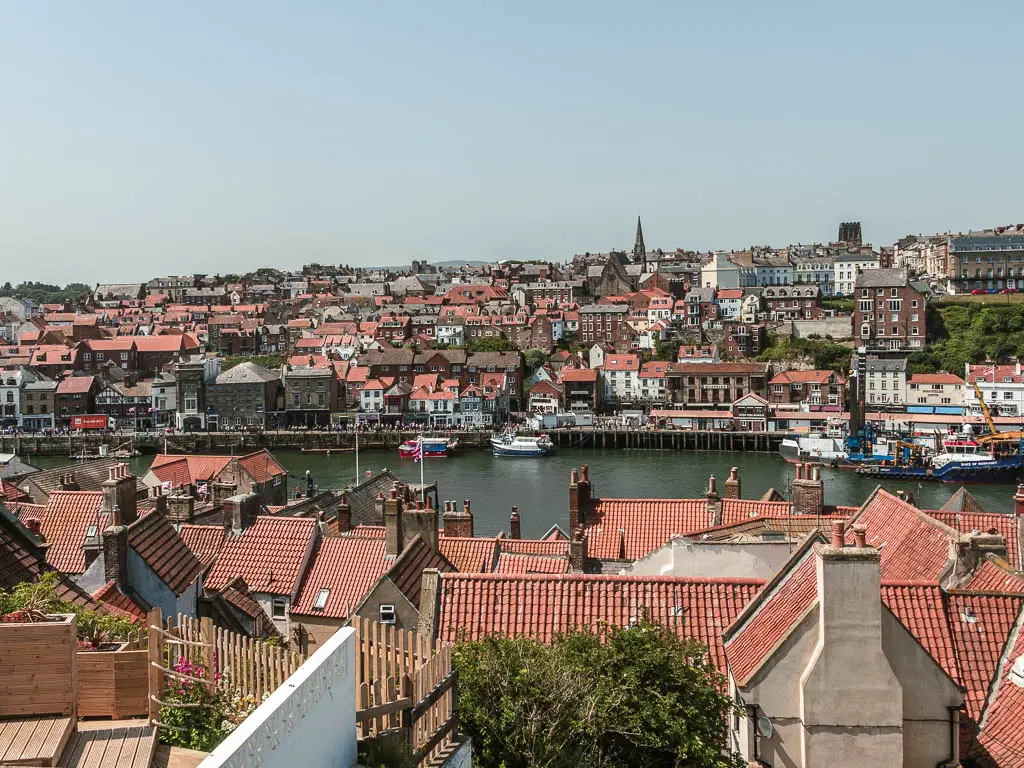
<point x="1008" y="290"/>
<point x="978" y="292"/>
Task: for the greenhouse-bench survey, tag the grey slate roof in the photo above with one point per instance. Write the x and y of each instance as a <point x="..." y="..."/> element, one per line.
<point x="248" y="373"/>
<point x="881" y="278"/>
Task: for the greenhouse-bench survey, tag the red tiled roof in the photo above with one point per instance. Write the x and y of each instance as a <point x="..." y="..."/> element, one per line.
<point x="1002" y="737"/>
<point x="935" y="378"/>
<point x="579" y="374"/>
<point x="205" y="541"/>
<point x="980" y="625"/>
<point x="549" y="547"/>
<point x="269" y="555"/>
<point x="75" y="385"/>
<point x="155" y="541"/>
<point x="781" y="607"/>
<point x="261" y="466"/>
<point x="991" y="577"/>
<point x="646" y="524"/>
<point x="805" y="377"/>
<point x="915" y="547"/>
<point x="476" y="555"/>
<point x="65" y="522"/>
<point x="515" y="563"/>
<point x="921" y="608"/>
<point x="966" y="522"/>
<point x="117" y="603"/>
<point x="196" y="467"/>
<point x="542" y="606"/>
<point x="348" y="566"/>
<point x="625" y="362"/>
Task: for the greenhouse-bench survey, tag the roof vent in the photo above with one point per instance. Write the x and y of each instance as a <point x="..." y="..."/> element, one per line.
<point x="969" y="617"/>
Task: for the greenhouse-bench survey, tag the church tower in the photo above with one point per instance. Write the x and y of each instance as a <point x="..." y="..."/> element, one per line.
<point x="639" y="250"/>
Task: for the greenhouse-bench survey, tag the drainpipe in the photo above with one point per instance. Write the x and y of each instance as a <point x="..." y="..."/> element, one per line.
<point x="954" y="739"/>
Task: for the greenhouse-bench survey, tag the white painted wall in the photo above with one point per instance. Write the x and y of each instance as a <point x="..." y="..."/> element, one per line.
<point x="309" y="722"/>
<point x="682" y="557"/>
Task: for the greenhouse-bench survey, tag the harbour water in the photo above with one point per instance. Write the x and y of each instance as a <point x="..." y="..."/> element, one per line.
<point x="539" y="486"/>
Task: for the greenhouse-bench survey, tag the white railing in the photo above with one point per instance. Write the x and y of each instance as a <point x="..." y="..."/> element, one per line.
<point x="310" y="721"/>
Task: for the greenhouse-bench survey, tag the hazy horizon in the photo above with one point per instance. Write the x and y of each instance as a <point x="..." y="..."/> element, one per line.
<point x="143" y="140"/>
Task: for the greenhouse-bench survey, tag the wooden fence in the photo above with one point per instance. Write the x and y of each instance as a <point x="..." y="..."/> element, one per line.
<point x="405" y="684"/>
<point x="232" y="663"/>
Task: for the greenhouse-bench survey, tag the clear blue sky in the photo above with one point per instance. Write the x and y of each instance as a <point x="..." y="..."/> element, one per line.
<point x="142" y="138"/>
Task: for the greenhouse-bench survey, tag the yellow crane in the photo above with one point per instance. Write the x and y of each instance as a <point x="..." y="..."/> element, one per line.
<point x="984" y="409"/>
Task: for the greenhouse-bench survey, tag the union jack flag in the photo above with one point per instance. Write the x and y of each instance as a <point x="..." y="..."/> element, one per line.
<point x="417" y="453"/>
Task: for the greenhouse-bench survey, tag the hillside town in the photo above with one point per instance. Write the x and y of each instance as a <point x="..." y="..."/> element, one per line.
<point x="680" y="338"/>
<point x="879" y="626"/>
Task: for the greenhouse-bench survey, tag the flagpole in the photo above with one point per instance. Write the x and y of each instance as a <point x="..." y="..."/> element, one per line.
<point x="423" y="488"/>
<point x="357" y="447"/>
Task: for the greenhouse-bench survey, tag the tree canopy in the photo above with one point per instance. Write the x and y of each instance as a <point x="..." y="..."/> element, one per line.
<point x="962" y="334"/>
<point x="639" y="696"/>
<point x="492" y="344"/>
<point x="44" y="293"/>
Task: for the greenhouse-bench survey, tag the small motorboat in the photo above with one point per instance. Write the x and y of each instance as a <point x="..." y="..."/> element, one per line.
<point x="433" y="447"/>
<point x="511" y="444"/>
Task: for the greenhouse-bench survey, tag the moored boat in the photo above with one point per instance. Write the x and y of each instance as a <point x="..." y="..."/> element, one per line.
<point x="433" y="447"/>
<point x="511" y="444"/>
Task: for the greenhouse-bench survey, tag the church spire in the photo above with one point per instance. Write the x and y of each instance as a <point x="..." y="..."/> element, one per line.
<point x="639" y="250"/>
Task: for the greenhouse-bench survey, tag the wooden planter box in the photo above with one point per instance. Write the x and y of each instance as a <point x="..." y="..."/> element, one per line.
<point x="113" y="684"/>
<point x="38" y="668"/>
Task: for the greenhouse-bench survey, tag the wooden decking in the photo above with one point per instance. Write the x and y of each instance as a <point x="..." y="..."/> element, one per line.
<point x="33" y="740"/>
<point x="124" y="747"/>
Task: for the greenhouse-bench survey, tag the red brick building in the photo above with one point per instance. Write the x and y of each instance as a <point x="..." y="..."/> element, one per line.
<point x="889" y="313"/>
<point x="819" y="390"/>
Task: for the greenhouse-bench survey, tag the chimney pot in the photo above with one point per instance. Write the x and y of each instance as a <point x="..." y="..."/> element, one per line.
<point x="860" y="535"/>
<point x="837" y="535"/>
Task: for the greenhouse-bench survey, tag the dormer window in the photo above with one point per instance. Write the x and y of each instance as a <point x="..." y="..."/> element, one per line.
<point x="321" y="599"/>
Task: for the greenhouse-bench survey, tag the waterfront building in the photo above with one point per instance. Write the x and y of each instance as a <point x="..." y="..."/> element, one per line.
<point x="935" y="393"/>
<point x="1002" y="387"/>
<point x="704" y="385"/>
<point x="813" y="390"/>
<point x="244" y="396"/>
<point x="885" y="383"/>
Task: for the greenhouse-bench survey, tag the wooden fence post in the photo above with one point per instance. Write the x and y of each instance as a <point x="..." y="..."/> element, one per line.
<point x="156" y="661"/>
<point x="208" y="656"/>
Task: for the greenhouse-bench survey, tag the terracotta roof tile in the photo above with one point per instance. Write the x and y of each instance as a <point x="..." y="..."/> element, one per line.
<point x="921" y="608"/>
<point x="993" y="576"/>
<point x="348" y="567"/>
<point x="549" y="547"/>
<point x="1002" y="737"/>
<point x="516" y="563"/>
<point x="65" y="523"/>
<point x="270" y="555"/>
<point x="782" y="605"/>
<point x="407" y="571"/>
<point x="980" y="625"/>
<point x="119" y="604"/>
<point x="542" y="606"/>
<point x="205" y="541"/>
<point x="647" y="524"/>
<point x="154" y="540"/>
<point x="966" y="522"/>
<point x="915" y="547"/>
<point x="476" y="555"/>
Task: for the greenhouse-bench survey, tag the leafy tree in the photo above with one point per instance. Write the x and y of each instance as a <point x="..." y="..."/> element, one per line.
<point x="665" y="350"/>
<point x="534" y="359"/>
<point x="638" y="696"/>
<point x="492" y="344"/>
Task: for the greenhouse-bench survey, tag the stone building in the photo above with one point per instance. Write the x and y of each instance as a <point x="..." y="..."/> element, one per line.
<point x="310" y="394"/>
<point x="890" y="312"/>
<point x="244" y="396"/>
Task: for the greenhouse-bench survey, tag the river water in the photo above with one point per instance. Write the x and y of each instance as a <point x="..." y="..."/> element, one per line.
<point x="539" y="486"/>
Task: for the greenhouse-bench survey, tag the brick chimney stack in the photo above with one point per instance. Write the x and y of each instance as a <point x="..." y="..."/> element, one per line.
<point x="577" y="551"/>
<point x="159" y="501"/>
<point x="119" y="495"/>
<point x="1018" y="502"/>
<point x="420" y="520"/>
<point x="714" y="503"/>
<point x="344" y="515"/>
<point x="586" y="491"/>
<point x="115" y="555"/>
<point x="240" y="511"/>
<point x="848" y="685"/>
<point x="458" y="523"/>
<point x="808" y="491"/>
<point x="181" y="508"/>
<point x="394" y="538"/>
<point x="732" y="485"/>
<point x="575" y="518"/>
<point x="514" y="526"/>
<point x="68" y="482"/>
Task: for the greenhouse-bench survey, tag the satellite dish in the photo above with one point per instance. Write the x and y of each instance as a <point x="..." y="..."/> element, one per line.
<point x="764" y="727"/>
